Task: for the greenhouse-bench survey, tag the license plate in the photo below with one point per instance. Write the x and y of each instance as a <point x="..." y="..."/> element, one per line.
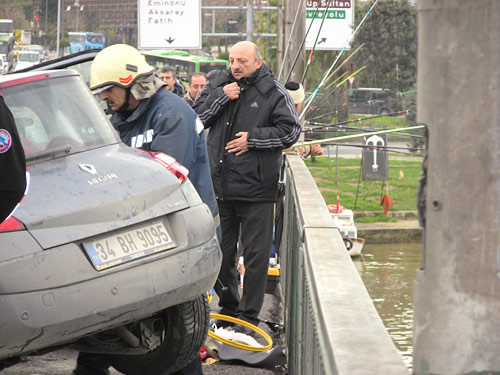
<point x="129" y="245"/>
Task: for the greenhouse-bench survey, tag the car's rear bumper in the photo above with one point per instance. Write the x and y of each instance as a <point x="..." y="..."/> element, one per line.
<point x="56" y="312"/>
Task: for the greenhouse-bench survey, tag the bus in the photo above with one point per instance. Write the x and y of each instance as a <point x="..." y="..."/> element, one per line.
<point x="184" y="62"/>
<point x="81" y="41"/>
<point x="6" y="27"/>
<point x="7" y="50"/>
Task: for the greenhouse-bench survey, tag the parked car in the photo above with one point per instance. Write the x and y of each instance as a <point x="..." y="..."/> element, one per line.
<point x="370" y="101"/>
<point x="25" y="59"/>
<point x="36" y="48"/>
<point x="4" y="65"/>
<point x="112" y="250"/>
<point x="79" y="61"/>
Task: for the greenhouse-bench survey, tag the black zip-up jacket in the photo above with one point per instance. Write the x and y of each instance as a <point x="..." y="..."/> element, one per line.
<point x="264" y="110"/>
<point x="12" y="163"/>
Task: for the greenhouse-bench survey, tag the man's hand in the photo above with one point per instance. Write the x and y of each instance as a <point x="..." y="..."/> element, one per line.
<point x="238" y="145"/>
<point x="316" y="150"/>
<point x="232" y="90"/>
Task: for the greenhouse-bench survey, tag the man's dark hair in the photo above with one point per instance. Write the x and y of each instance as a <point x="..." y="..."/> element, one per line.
<point x="196" y="74"/>
<point x="167" y="69"/>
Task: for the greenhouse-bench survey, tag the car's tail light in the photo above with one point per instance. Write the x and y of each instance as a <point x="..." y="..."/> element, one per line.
<point x="11" y="225"/>
<point x="180" y="171"/>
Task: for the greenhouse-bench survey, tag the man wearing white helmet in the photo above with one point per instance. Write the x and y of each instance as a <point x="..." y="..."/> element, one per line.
<point x="153" y="119"/>
<point x="149" y="118"/>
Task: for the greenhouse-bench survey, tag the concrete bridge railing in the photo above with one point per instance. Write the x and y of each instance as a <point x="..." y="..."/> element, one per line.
<point x="332" y="326"/>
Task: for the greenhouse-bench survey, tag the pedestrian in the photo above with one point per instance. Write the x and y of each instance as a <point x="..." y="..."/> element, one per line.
<point x="14" y="180"/>
<point x="251" y="118"/>
<point x="150" y="118"/>
<point x="169" y="76"/>
<point x="297" y="93"/>
<point x="197" y="81"/>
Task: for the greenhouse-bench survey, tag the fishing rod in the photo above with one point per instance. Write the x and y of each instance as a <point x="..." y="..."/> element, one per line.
<point x="347" y="59"/>
<point x="332" y="91"/>
<point x="394" y="149"/>
<point x="336" y="87"/>
<point x="344" y="129"/>
<point x="339" y="110"/>
<point x="314" y="46"/>
<point x="311" y="98"/>
<point x="360" y="119"/>
<point x="339" y="84"/>
<point x="328" y="106"/>
<point x="343" y="62"/>
<point x="352" y="75"/>
<point x="338" y="78"/>
<point x="347" y="129"/>
<point x="356" y="136"/>
<point x="304" y="40"/>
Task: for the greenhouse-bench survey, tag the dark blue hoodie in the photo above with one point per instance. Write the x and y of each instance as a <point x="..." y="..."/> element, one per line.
<point x="166" y="123"/>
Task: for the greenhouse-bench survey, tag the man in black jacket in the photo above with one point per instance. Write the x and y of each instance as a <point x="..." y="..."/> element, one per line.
<point x="251" y="119"/>
<point x="12" y="163"/>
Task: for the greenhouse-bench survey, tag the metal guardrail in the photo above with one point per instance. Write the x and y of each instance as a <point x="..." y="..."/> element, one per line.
<point x="332" y="326"/>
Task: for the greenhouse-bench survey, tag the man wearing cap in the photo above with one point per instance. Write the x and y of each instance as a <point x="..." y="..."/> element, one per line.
<point x="154" y="119"/>
<point x="296" y="91"/>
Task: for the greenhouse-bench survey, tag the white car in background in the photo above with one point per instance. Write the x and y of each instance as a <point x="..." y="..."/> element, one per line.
<point x="4" y="65"/>
<point x="36" y="48"/>
<point x="25" y="59"/>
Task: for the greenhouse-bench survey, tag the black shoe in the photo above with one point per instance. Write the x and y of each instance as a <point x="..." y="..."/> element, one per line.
<point x="221" y="323"/>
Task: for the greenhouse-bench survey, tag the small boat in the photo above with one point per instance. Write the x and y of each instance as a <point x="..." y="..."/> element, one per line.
<point x="354" y="245"/>
<point x="344" y="220"/>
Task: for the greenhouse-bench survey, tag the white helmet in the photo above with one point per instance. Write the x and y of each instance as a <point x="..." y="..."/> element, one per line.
<point x="119" y="65"/>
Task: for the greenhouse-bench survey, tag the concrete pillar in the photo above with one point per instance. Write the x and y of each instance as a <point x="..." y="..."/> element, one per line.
<point x="294" y="43"/>
<point x="457" y="293"/>
<point x="249" y="21"/>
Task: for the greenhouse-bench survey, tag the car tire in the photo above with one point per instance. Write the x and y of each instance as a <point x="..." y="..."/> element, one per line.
<point x="384" y="111"/>
<point x="186" y="327"/>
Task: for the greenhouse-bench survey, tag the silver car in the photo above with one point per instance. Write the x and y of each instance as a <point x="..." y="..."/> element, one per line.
<point x="112" y="250"/>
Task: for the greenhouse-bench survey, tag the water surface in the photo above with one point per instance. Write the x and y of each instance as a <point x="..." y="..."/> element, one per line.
<point x="388" y="271"/>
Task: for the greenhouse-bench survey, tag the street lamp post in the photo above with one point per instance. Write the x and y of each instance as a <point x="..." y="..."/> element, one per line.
<point x="58" y="26"/>
<point x="77" y="5"/>
<point x="79" y="8"/>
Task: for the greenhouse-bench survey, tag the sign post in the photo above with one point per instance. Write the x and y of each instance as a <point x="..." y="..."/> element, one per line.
<point x="169" y="24"/>
<point x="337" y="28"/>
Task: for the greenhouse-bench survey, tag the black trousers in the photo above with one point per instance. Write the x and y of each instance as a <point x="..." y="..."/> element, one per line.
<point x="256" y="221"/>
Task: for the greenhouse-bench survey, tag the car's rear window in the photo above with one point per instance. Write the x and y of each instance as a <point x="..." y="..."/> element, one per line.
<point x="55" y="113"/>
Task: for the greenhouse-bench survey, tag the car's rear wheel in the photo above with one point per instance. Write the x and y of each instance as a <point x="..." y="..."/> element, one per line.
<point x="185" y="331"/>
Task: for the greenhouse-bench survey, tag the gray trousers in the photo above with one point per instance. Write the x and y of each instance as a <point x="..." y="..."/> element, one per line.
<point x="256" y="221"/>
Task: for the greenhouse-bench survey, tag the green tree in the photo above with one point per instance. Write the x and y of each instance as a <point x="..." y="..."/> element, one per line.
<point x="390" y="45"/>
<point x="266" y="22"/>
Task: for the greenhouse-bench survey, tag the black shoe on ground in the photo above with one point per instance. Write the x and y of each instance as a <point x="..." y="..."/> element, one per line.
<point x="221" y="323"/>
